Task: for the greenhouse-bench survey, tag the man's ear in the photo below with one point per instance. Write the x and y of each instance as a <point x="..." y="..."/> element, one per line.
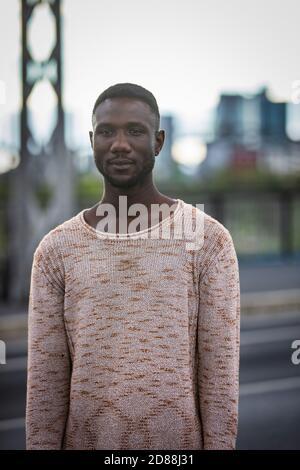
<point x="160" y="138"/>
<point x="91" y="137"/>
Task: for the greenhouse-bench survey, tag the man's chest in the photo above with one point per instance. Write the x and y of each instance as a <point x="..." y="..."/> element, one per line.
<point x="111" y="275"/>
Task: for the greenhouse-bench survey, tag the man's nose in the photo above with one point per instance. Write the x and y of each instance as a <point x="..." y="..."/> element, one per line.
<point x="120" y="143"/>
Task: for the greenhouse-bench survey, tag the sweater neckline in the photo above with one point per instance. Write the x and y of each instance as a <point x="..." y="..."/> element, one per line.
<point x="125" y="236"/>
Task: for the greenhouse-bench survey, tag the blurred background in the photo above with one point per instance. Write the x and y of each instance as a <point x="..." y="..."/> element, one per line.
<point x="226" y="77"/>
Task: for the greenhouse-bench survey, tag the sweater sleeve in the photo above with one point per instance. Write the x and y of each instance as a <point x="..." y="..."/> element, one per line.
<point x="49" y="364"/>
<point x="219" y="349"/>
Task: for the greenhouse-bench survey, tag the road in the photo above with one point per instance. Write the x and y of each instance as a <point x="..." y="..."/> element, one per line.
<point x="269" y="384"/>
<point x="269" y="412"/>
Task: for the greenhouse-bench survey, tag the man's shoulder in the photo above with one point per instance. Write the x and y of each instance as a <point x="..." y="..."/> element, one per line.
<point x="216" y="231"/>
<point x="212" y="231"/>
<point x="213" y="239"/>
<point x="56" y="238"/>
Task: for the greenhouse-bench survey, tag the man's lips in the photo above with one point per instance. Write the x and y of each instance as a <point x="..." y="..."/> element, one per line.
<point x="121" y="162"/>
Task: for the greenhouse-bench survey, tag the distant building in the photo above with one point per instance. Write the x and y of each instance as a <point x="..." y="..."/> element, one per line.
<point x="218" y="156"/>
<point x="238" y="117"/>
<point x="164" y="164"/>
<point x="272" y="117"/>
<point x="229" y="116"/>
<point x="251" y="133"/>
<point x="281" y="158"/>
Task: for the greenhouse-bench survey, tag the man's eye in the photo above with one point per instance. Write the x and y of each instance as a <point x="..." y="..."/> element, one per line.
<point x="105" y="131"/>
<point x="136" y="131"/>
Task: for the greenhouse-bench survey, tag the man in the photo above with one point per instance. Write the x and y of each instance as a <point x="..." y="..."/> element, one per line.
<point x="133" y="334"/>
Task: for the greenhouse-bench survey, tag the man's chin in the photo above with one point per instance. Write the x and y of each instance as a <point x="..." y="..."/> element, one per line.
<point x="119" y="183"/>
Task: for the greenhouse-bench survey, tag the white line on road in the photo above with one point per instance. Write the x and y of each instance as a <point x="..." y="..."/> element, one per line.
<point x="10" y="424"/>
<point x="276" y="385"/>
<point x="14" y="364"/>
<point x="270" y="335"/>
<point x="248" y="338"/>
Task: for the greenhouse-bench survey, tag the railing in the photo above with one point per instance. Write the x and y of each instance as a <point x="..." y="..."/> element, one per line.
<point x="262" y="224"/>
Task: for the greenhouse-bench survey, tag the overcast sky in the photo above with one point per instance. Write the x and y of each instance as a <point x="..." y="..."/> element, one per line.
<point x="185" y="52"/>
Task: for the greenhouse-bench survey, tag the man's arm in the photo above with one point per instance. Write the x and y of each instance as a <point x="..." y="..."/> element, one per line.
<point x="219" y="349"/>
<point x="49" y="366"/>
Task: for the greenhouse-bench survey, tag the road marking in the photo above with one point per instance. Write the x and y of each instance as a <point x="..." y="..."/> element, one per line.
<point x="270" y="335"/>
<point x="255" y="388"/>
<point x="14" y="364"/>
<point x="248" y="338"/>
<point x="276" y="385"/>
<point x="10" y="424"/>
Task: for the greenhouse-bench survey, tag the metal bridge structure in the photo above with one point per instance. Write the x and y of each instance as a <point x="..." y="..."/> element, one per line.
<point x="41" y="188"/>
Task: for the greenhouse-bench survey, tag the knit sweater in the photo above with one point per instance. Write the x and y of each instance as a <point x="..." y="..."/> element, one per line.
<point x="133" y="339"/>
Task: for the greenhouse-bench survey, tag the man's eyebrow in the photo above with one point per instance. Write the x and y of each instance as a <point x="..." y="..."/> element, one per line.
<point x="129" y="123"/>
<point x="136" y="123"/>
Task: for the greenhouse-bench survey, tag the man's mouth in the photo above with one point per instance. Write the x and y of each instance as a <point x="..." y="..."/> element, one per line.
<point x="121" y="163"/>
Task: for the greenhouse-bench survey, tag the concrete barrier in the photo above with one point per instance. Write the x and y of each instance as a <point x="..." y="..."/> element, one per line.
<point x="271" y="301"/>
<point x="15" y="325"/>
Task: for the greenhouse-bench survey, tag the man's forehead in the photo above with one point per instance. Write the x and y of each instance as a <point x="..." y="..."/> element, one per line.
<point x="123" y="108"/>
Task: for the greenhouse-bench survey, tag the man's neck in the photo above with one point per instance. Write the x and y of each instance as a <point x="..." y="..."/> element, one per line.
<point x="92" y="216"/>
<point x="146" y="195"/>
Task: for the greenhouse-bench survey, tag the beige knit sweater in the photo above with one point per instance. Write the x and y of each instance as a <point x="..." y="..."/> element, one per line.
<point x="134" y="340"/>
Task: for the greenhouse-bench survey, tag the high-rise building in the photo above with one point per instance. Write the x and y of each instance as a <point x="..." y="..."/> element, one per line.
<point x="241" y="117"/>
<point x="272" y="117"/>
<point x="164" y="164"/>
<point x="229" y="116"/>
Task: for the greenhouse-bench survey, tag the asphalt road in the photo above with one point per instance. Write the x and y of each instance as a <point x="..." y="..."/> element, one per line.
<point x="269" y="387"/>
<point x="269" y="384"/>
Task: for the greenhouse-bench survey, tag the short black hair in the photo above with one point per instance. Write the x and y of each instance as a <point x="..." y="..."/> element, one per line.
<point x="130" y="90"/>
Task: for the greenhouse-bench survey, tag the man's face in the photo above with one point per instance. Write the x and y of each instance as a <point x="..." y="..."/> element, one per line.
<point x="124" y="141"/>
